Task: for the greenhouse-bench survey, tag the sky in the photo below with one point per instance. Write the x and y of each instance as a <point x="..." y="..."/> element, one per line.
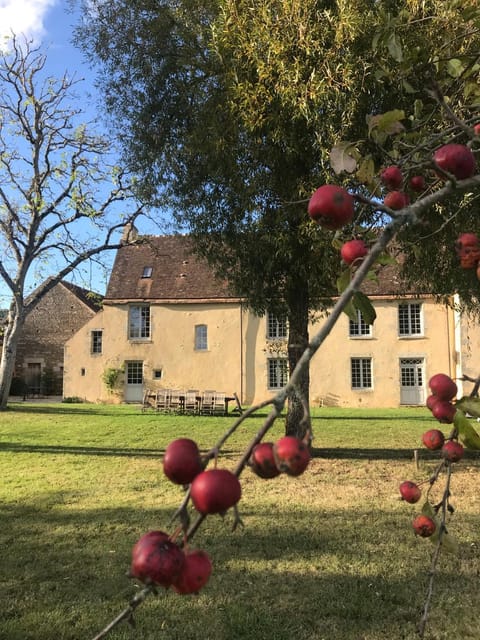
<point x="50" y="24"/>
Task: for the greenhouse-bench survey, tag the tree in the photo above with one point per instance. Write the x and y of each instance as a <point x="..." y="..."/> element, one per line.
<point x="232" y="114"/>
<point x="54" y="193"/>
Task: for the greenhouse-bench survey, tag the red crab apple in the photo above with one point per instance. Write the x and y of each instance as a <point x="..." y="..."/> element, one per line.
<point x="396" y="200"/>
<point x="353" y="250"/>
<point x="215" y="491"/>
<point x="444" y="411"/>
<point x="456" y="159"/>
<point x="410" y="491"/>
<point x="452" y="451"/>
<point x="291" y="455"/>
<point x="195" y="573"/>
<point x="182" y="461"/>
<point x="392" y="177"/>
<point x="331" y="206"/>
<point x="424" y="526"/>
<point x="262" y="461"/>
<point x="431" y="400"/>
<point x="156" y="559"/>
<point x="467" y="240"/>
<point x="417" y="183"/>
<point x="433" y="439"/>
<point x="442" y="386"/>
<point x="476" y="129"/>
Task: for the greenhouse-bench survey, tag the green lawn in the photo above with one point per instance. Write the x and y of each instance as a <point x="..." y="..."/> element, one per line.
<point x="327" y="556"/>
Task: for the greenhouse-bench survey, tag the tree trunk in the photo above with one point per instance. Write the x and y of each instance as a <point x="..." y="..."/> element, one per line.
<point x="298" y="414"/>
<point x="9" y="352"/>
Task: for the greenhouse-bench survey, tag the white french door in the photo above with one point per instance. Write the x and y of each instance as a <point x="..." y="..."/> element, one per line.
<point x="412" y="390"/>
<point x="134" y="381"/>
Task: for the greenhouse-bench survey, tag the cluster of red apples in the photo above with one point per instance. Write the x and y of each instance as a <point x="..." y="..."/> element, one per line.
<point x="157" y="558"/>
<point x="443" y="391"/>
<point x="332" y="206"/>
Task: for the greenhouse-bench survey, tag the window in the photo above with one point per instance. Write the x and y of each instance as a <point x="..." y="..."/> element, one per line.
<point x="201" y="343"/>
<point x="277" y="372"/>
<point x="410" y="319"/>
<point x="157" y="374"/>
<point x="361" y="373"/>
<point x="135" y="372"/>
<point x="139" y="322"/>
<point x="276" y="326"/>
<point x="360" y="327"/>
<point x="147" y="272"/>
<point x="97" y="341"/>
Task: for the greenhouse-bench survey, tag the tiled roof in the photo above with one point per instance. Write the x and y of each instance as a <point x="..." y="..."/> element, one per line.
<point x="177" y="274"/>
<point x="92" y="300"/>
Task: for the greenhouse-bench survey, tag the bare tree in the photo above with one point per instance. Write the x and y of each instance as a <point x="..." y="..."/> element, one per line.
<point x="60" y="193"/>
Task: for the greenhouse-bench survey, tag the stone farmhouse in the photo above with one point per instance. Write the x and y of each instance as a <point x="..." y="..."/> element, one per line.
<point x="57" y="316"/>
<point x="166" y="322"/>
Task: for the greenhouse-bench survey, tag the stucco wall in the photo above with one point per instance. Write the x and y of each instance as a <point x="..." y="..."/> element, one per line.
<point x="236" y="359"/>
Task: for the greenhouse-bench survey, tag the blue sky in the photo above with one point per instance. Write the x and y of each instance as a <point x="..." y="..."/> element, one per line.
<point x="50" y="24"/>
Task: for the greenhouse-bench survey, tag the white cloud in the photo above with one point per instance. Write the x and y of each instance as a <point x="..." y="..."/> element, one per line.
<point x="24" y="17"/>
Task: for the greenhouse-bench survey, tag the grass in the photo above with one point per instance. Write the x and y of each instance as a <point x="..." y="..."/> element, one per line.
<point x="327" y="556"/>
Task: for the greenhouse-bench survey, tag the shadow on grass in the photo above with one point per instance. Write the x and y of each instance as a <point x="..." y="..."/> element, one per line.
<point x="65" y="577"/>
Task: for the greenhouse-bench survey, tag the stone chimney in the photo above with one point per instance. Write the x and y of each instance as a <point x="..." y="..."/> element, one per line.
<point x="130" y="234"/>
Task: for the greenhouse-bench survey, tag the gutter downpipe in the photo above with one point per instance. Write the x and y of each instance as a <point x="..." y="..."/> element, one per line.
<point x="457" y="320"/>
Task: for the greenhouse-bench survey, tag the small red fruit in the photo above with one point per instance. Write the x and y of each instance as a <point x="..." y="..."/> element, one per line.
<point x="431" y="400"/>
<point x="353" y="250"/>
<point x="396" y="200"/>
<point x="452" y="451"/>
<point x="476" y="129"/>
<point x="468" y="250"/>
<point x="195" y="573"/>
<point x="456" y="159"/>
<point x="331" y="206"/>
<point x="182" y="461"/>
<point x="424" y="526"/>
<point x="443" y="386"/>
<point x="262" y="461"/>
<point x="417" y="183"/>
<point x="433" y="439"/>
<point x="467" y="240"/>
<point x="410" y="491"/>
<point x="444" y="411"/>
<point x="215" y="491"/>
<point x="156" y="559"/>
<point x="392" y="177"/>
<point x="291" y="455"/>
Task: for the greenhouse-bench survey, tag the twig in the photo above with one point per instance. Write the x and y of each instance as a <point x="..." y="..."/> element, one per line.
<point x="127" y="613"/>
<point x="436" y="555"/>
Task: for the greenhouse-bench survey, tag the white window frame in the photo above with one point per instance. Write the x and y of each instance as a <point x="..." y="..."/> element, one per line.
<point x="277" y="328"/>
<point x="139" y="322"/>
<point x="201" y="337"/>
<point x="277" y="373"/>
<point x="365" y="378"/>
<point x="359" y="329"/>
<point x="411" y="324"/>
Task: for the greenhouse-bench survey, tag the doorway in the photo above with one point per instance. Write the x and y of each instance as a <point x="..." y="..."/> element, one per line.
<point x="412" y="391"/>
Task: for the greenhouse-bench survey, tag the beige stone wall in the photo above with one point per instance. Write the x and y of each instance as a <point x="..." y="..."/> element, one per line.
<point x="236" y="359"/>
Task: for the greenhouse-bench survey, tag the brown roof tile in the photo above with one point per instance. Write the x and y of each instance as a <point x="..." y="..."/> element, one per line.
<point x="177" y="274"/>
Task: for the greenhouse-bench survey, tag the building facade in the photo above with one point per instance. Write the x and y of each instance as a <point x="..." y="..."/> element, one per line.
<point x="56" y="318"/>
<point x="167" y="323"/>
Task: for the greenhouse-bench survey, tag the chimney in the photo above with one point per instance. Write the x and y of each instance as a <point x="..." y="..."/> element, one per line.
<point x="130" y="234"/>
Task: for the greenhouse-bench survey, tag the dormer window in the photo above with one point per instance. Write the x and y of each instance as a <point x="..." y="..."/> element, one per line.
<point x="147" y="272"/>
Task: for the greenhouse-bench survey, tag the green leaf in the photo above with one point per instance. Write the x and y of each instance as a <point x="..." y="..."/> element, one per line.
<point x="466" y="433"/>
<point x="343" y="280"/>
<point x="388" y="122"/>
<point x="363" y="304"/>
<point x="455" y="67"/>
<point x="394" y="47"/>
<point x="469" y="405"/>
<point x="449" y="544"/>
<point x="351" y="311"/>
<point x="366" y="170"/>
